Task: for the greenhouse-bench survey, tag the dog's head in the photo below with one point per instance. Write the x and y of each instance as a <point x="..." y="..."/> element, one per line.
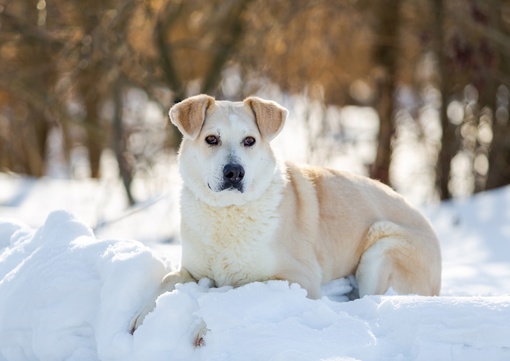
<point x="225" y="157"/>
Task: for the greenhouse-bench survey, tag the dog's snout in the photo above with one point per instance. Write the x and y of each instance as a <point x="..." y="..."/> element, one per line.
<point x="233" y="173"/>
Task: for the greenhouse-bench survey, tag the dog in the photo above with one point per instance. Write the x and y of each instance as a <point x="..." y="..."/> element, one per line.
<point x="248" y="216"/>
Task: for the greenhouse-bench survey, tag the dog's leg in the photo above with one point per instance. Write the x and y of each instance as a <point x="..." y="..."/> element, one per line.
<point x="393" y="261"/>
<point x="198" y="339"/>
<point x="375" y="273"/>
<point x="167" y="285"/>
<point x="307" y="276"/>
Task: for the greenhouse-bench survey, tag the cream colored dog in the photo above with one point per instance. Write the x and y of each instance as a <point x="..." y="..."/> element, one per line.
<point x="247" y="216"/>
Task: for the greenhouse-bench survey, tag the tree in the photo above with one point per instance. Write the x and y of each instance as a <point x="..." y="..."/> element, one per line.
<point x="499" y="154"/>
<point x="64" y="66"/>
<point x="386" y="56"/>
<point x="448" y="136"/>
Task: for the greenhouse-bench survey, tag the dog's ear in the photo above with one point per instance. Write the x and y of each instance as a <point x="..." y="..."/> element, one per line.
<point x="189" y="115"/>
<point x="269" y="116"/>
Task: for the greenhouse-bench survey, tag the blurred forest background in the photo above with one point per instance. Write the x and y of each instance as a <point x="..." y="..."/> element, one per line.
<point x="88" y="71"/>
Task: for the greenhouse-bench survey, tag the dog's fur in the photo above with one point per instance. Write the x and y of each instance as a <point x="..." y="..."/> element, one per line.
<point x="277" y="220"/>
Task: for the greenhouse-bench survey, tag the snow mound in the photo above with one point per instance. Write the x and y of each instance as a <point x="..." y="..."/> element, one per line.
<point x="65" y="295"/>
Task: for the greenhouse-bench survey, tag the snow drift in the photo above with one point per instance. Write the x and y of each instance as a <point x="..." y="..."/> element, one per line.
<point x="66" y="295"/>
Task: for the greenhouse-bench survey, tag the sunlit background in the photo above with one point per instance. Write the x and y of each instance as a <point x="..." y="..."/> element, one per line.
<point x="413" y="93"/>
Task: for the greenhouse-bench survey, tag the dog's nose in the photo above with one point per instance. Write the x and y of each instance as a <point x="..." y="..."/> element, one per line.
<point x="233" y="173"/>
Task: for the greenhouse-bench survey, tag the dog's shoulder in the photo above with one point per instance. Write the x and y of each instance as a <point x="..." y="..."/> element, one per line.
<point x="323" y="176"/>
<point x="332" y="185"/>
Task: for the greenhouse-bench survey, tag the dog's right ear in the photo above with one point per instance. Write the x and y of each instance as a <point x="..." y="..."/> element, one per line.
<point x="189" y="115"/>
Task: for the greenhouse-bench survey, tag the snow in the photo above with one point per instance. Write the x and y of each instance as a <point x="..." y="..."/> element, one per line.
<point x="69" y="293"/>
<point x="475" y="243"/>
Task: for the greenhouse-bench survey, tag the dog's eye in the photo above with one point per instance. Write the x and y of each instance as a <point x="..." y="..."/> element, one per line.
<point x="248" y="141"/>
<point x="212" y="140"/>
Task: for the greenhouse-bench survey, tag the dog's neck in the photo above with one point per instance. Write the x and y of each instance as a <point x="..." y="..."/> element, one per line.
<point x="220" y="234"/>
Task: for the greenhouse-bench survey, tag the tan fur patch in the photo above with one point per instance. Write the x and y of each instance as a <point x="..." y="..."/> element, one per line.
<point x="269" y="116"/>
<point x="189" y="115"/>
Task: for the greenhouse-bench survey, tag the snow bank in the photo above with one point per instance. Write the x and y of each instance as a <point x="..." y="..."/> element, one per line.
<point x="475" y="243"/>
<point x="65" y="295"/>
<point x="276" y="322"/>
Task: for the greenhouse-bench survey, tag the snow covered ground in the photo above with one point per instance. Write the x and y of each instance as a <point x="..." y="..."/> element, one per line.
<point x="68" y="292"/>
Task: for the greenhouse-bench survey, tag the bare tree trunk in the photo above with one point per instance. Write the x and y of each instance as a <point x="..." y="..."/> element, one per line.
<point x="229" y="36"/>
<point x="165" y="20"/>
<point x="35" y="136"/>
<point x="386" y="57"/>
<point x="479" y="149"/>
<point x="499" y="152"/>
<point x="89" y="82"/>
<point x="94" y="139"/>
<point x="119" y="142"/>
<point x="40" y="76"/>
<point x="448" y="138"/>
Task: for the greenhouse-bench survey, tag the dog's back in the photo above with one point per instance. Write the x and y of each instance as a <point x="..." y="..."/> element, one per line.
<point x="341" y="216"/>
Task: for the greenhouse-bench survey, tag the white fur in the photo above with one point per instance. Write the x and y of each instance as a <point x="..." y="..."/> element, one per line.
<point x="201" y="165"/>
<point x="228" y="235"/>
<point x="231" y="245"/>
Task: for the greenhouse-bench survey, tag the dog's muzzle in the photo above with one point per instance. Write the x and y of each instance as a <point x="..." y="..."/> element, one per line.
<point x="233" y="175"/>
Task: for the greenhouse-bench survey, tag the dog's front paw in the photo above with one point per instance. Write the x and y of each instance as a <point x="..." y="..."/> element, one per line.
<point x="198" y="340"/>
<point x="138" y="319"/>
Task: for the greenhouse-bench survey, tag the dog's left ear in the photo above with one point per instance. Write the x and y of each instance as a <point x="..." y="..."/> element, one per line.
<point x="189" y="115"/>
<point x="269" y="116"/>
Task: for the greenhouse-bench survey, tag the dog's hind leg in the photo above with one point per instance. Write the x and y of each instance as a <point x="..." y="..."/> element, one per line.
<point x="393" y="261"/>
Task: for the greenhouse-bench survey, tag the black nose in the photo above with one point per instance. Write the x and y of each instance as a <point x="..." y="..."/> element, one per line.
<point x="233" y="173"/>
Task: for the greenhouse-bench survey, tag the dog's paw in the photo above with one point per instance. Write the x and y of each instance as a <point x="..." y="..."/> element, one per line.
<point x="198" y="340"/>
<point x="135" y="323"/>
<point x="138" y="319"/>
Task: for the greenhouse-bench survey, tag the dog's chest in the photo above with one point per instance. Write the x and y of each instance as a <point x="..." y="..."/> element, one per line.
<point x="230" y="245"/>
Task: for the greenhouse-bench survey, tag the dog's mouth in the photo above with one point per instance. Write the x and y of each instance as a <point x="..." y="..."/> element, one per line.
<point x="228" y="186"/>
